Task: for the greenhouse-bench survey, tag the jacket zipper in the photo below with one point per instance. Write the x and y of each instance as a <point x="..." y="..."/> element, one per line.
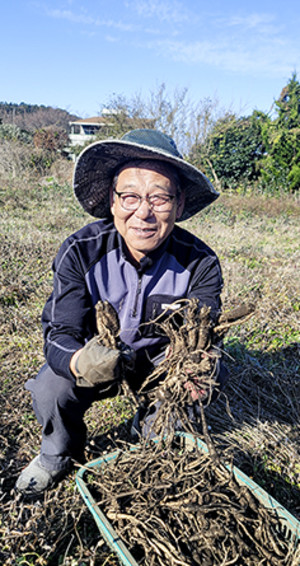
<point x="138" y="292"/>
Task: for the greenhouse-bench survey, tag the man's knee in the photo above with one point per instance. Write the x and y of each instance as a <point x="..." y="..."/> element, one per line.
<point x="51" y="392"/>
<point x="48" y="385"/>
<point x="49" y="389"/>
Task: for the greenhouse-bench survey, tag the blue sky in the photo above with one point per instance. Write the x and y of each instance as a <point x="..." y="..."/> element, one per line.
<point x="76" y="54"/>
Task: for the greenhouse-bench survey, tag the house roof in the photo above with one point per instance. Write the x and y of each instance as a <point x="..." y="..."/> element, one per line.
<point x="95" y="120"/>
<point x="106" y="120"/>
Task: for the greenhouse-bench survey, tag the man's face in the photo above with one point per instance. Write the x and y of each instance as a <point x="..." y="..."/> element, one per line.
<point x="145" y="229"/>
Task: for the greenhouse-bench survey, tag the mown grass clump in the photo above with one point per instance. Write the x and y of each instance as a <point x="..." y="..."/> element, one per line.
<point x="257" y="416"/>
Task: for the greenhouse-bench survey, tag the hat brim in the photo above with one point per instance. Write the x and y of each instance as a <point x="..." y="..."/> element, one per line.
<point x="98" y="163"/>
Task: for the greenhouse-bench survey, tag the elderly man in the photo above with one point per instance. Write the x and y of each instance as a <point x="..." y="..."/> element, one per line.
<point x="138" y="260"/>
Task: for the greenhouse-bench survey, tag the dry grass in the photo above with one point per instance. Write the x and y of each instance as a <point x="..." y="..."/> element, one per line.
<point x="257" y="246"/>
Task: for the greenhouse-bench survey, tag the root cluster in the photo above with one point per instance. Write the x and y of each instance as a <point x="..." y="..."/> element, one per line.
<point x="169" y="501"/>
<point x="173" y="505"/>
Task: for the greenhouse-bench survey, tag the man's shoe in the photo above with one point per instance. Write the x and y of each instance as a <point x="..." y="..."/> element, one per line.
<point x="35" y="478"/>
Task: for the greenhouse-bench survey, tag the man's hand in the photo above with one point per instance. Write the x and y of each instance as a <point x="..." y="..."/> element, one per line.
<point x="95" y="364"/>
<point x="196" y="391"/>
<point x="197" y="385"/>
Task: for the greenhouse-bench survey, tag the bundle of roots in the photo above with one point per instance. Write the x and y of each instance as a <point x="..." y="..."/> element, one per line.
<point x="175" y="505"/>
<point x="191" y="362"/>
<point x="169" y="501"/>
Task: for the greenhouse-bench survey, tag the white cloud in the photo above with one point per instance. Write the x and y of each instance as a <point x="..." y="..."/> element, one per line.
<point x="111" y="39"/>
<point x="250" y="21"/>
<point x="259" y="25"/>
<point x="254" y="43"/>
<point x="162" y="10"/>
<point x="270" y="58"/>
<point x="82" y="18"/>
<point x="244" y="43"/>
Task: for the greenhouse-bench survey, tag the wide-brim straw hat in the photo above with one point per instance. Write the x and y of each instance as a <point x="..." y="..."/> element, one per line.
<point x="98" y="163"/>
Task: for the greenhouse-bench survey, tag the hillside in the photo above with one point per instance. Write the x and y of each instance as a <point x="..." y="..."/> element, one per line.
<point x="31" y="117"/>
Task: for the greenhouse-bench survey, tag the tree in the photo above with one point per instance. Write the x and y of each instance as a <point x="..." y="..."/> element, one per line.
<point x="123" y="114"/>
<point x="288" y="105"/>
<point x="11" y="132"/>
<point x="232" y="149"/>
<point x="281" y="165"/>
<point x="50" y="139"/>
<point x="170" y="112"/>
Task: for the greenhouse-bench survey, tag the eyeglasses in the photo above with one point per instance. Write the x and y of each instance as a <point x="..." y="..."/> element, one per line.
<point x="158" y="203"/>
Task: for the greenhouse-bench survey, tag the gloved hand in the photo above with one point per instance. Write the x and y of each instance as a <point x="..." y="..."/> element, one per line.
<point x="97" y="364"/>
<point x="128" y="357"/>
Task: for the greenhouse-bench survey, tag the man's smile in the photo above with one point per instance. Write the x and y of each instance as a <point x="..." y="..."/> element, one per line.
<point x="147" y="231"/>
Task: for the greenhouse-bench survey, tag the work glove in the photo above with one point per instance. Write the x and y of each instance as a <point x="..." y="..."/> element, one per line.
<point x="97" y="364"/>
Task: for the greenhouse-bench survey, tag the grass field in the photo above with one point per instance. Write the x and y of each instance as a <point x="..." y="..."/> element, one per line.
<point x="257" y="240"/>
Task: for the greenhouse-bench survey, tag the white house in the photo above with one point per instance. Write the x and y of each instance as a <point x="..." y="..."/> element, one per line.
<point x="84" y="130"/>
